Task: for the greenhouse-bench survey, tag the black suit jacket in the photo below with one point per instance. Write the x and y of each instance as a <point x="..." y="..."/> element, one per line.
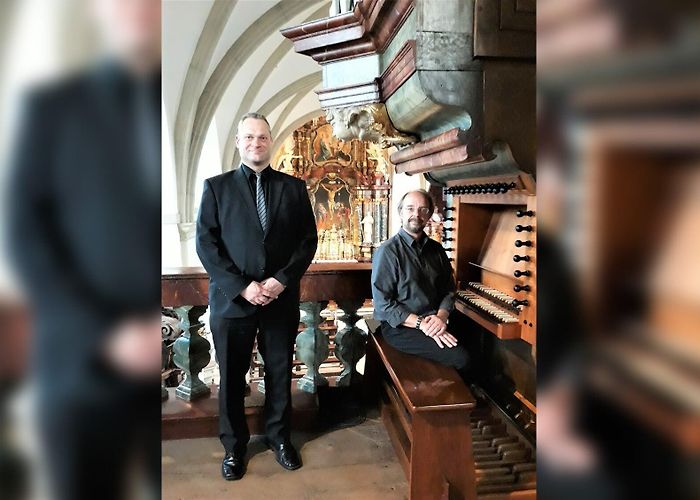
<point x="235" y="251"/>
<point x="84" y="226"/>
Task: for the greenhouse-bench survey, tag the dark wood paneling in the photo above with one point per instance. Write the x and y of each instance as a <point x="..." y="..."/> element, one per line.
<point x="323" y="281"/>
<point x="197" y="419"/>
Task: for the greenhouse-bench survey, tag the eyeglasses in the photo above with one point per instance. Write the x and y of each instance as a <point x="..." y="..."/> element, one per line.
<point x="251" y="138"/>
<point x="424" y="211"/>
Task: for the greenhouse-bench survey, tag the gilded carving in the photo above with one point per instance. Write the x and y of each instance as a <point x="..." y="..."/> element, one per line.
<point x="347" y="182"/>
<point x="369" y="122"/>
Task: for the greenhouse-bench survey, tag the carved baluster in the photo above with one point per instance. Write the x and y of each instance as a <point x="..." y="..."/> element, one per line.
<point x="261" y="384"/>
<point x="170" y="330"/>
<point x="312" y="345"/>
<point x="350" y="342"/>
<point x="191" y="353"/>
<point x="164" y="354"/>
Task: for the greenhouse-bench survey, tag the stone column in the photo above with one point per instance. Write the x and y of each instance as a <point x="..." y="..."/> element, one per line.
<point x="312" y="345"/>
<point x="191" y="353"/>
<point x="350" y="342"/>
<point x="187" y="232"/>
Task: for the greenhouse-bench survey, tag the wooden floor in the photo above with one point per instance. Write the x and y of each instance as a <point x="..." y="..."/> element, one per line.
<point x="352" y="463"/>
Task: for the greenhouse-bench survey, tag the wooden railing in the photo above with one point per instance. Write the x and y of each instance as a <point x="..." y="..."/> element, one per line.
<point x="185" y="291"/>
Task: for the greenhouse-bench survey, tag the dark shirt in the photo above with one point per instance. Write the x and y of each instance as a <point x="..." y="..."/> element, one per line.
<point x="252" y="181"/>
<point x="410" y="276"/>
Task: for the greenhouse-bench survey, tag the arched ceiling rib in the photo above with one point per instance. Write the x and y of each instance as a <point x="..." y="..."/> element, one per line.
<point x="191" y="89"/>
<point x="258" y="82"/>
<point x="285" y="112"/>
<point x="221" y="77"/>
<point x="303" y="85"/>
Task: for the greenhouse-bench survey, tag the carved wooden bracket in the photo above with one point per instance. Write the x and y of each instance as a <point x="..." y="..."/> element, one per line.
<point x="367" y="123"/>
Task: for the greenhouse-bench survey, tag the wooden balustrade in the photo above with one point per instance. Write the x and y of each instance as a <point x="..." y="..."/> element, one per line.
<point x="185" y="290"/>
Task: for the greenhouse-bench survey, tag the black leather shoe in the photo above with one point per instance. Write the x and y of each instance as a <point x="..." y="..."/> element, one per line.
<point x="286" y="455"/>
<point x="233" y="466"/>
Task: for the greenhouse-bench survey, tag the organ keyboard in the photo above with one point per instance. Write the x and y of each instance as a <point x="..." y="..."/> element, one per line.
<point x="491" y="308"/>
<point x="482" y="304"/>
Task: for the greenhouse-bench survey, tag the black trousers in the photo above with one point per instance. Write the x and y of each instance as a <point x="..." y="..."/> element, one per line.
<point x="413" y="341"/>
<point x="276" y="327"/>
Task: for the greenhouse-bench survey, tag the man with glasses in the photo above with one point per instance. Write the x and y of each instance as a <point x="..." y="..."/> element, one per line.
<point x="413" y="288"/>
<point x="256" y="236"/>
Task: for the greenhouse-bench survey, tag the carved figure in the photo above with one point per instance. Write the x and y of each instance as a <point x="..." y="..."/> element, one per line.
<point x="367" y="123"/>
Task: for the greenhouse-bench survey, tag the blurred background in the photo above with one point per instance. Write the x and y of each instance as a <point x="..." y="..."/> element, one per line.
<point x="39" y="41"/>
<point x="619" y="211"/>
<point x="79" y="248"/>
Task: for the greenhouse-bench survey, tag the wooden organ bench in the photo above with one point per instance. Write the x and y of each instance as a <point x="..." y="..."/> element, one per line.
<point x="425" y="407"/>
<point x="450" y="444"/>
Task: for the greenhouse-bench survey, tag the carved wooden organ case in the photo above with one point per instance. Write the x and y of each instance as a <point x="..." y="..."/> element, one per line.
<point x="451" y="84"/>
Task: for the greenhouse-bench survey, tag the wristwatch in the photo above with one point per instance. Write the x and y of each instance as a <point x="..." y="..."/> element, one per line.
<point x="419" y="321"/>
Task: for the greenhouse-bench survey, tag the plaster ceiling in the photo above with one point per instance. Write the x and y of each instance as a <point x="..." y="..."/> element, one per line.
<point x="222" y="58"/>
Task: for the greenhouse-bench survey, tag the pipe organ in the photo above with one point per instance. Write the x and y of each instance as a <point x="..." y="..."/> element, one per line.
<point x="451" y="84"/>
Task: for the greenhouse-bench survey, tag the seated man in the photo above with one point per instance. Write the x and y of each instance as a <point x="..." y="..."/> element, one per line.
<point x="413" y="288"/>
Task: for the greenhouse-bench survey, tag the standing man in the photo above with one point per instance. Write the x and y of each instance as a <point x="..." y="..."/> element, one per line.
<point x="413" y="288"/>
<point x="256" y="236"/>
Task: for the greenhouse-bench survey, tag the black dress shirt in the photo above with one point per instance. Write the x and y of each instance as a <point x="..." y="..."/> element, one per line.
<point x="252" y="182"/>
<point x="410" y="276"/>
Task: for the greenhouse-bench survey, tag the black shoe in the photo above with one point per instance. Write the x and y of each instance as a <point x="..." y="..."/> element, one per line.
<point x="233" y="466"/>
<point x="286" y="455"/>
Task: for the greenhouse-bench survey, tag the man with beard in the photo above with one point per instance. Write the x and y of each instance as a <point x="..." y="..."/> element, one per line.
<point x="413" y="288"/>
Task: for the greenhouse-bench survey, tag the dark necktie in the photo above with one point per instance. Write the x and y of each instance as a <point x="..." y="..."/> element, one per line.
<point x="260" y="201"/>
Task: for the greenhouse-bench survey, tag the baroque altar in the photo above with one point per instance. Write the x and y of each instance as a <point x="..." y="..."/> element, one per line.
<point x="348" y="184"/>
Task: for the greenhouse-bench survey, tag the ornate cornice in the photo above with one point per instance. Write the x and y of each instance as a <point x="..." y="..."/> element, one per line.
<point x="349" y="95"/>
<point x="369" y="28"/>
<point x="400" y="69"/>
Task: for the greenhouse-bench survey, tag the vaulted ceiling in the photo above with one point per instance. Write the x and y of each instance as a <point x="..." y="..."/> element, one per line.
<point x="221" y="59"/>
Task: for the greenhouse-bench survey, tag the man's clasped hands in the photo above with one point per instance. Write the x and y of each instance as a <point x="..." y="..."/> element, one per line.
<point x="435" y="326"/>
<point x="264" y="292"/>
